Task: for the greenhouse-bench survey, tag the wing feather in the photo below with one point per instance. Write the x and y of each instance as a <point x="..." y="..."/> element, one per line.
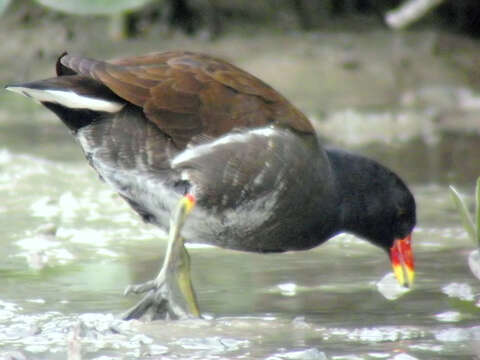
<point x="190" y="95"/>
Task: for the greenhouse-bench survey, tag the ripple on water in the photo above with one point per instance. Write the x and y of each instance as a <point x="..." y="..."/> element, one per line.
<point x="449" y="316"/>
<point x="215" y="344"/>
<point x="461" y="291"/>
<point x="308" y="354"/>
<point x="377" y="355"/>
<point x="384" y="333"/>
<point x="453" y="335"/>
<point x="43" y="249"/>
<point x="97" y="333"/>
<point x="404" y="356"/>
<point x="45" y="207"/>
<point x="427" y="347"/>
<point x="228" y="338"/>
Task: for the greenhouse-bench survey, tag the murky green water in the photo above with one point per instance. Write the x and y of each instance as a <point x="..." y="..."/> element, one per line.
<point x="70" y="246"/>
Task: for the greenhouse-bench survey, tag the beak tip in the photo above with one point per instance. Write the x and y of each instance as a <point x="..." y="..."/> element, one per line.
<point x="401" y="257"/>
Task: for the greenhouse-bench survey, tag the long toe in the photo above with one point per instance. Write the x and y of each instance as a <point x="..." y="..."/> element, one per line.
<point x="139" y="310"/>
<point x="151" y="307"/>
<point x="140" y="288"/>
<point x="161" y="302"/>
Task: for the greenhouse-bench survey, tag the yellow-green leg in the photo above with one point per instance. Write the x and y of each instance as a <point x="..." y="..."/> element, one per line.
<point x="170" y="295"/>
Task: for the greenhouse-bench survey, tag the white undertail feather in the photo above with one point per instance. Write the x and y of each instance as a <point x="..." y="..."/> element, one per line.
<point x="69" y="99"/>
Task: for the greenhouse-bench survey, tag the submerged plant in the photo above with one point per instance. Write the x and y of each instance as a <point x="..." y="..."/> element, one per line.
<point x="471" y="225"/>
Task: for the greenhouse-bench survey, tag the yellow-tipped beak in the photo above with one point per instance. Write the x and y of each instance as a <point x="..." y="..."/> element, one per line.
<point x="403" y="264"/>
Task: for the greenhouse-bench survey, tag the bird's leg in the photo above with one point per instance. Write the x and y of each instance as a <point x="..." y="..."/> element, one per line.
<point x="170" y="294"/>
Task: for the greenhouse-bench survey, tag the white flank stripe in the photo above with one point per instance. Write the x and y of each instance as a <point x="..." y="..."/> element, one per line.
<point x="69" y="99"/>
<point x="203" y="149"/>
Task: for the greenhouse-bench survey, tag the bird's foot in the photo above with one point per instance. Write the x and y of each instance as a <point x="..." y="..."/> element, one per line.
<point x="170" y="295"/>
<point x="154" y="305"/>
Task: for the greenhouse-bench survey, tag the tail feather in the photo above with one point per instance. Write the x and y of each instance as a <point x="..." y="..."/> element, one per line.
<point x="74" y="98"/>
<point x="72" y="91"/>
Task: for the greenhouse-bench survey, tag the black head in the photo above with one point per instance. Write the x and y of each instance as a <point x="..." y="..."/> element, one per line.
<point x="387" y="208"/>
<point x="395" y="220"/>
<point x="374" y="202"/>
<point x="377" y="206"/>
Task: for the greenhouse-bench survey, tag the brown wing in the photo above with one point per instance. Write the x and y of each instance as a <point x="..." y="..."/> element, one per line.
<point x="189" y="95"/>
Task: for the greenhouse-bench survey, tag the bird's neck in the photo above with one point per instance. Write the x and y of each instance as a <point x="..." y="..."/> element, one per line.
<point x="359" y="192"/>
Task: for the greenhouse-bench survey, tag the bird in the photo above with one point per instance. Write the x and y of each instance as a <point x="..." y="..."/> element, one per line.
<point x="213" y="155"/>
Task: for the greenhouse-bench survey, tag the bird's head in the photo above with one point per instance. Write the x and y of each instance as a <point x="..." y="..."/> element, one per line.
<point x="378" y="206"/>
<point x="393" y="229"/>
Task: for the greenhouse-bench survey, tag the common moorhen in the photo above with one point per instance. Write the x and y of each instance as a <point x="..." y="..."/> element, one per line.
<point x="202" y="148"/>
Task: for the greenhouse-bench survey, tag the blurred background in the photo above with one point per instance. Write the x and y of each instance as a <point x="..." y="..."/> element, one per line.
<point x="396" y="80"/>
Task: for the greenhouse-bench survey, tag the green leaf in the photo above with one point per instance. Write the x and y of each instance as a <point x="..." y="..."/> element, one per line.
<point x="464" y="214"/>
<point x="93" y="7"/>
<point x="3" y="5"/>
<point x="477" y="209"/>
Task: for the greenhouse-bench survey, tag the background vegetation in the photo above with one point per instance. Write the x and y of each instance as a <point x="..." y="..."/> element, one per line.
<point x="214" y="17"/>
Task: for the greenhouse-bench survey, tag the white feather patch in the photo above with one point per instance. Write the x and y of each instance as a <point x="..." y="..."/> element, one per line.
<point x="203" y="149"/>
<point x="68" y="99"/>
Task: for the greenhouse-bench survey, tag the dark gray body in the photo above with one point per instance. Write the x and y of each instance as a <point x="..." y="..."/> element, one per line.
<point x="244" y="182"/>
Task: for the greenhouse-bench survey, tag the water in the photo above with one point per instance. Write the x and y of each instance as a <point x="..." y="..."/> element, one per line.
<point x="70" y="246"/>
